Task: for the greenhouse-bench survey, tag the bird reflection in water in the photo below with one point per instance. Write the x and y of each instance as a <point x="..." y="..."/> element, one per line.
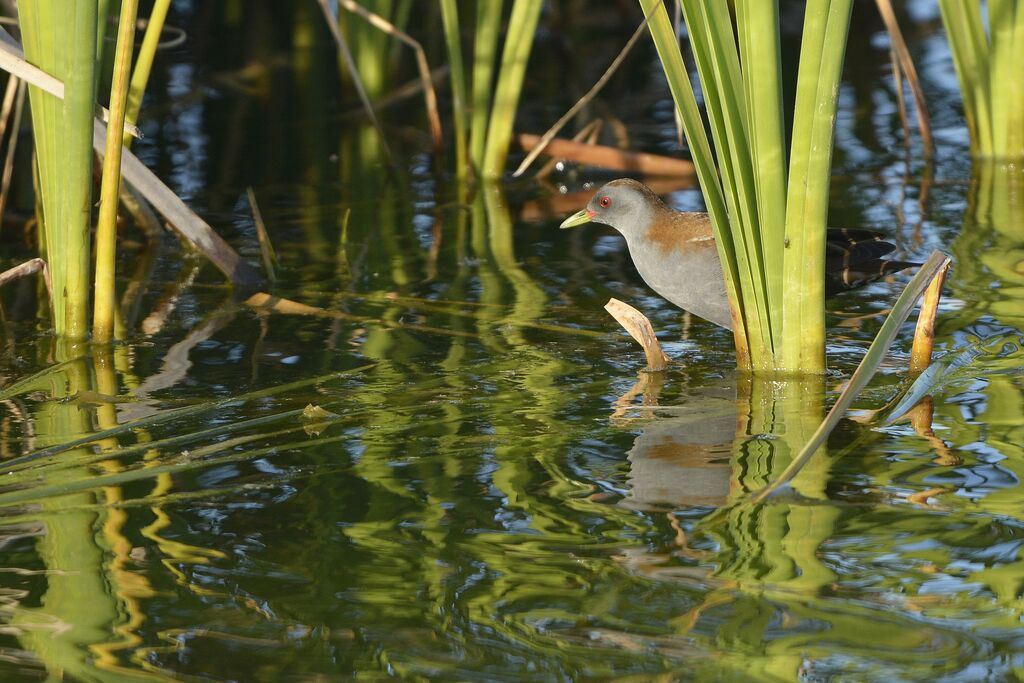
<point x="681" y="456"/>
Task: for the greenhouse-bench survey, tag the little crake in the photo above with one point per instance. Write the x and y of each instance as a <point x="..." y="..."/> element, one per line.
<point x="675" y="252"/>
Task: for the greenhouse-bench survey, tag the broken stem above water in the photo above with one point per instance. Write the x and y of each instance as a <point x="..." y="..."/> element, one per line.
<point x="639" y="327"/>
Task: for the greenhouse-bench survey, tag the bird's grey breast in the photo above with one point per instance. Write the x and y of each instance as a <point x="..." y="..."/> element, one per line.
<point x="689" y="277"/>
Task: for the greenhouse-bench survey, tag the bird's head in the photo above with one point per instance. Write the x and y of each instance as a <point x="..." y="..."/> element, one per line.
<point x="624" y="204"/>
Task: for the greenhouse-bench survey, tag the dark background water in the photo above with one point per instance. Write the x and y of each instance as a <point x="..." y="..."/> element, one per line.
<point x="496" y="494"/>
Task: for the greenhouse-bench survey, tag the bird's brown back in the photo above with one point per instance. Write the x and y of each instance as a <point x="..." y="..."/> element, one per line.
<point x="680" y="231"/>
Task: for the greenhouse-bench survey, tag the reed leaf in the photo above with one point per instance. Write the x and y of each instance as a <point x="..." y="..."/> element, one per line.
<point x="144" y="62"/>
<point x="485" y="47"/>
<point x="988" y="66"/>
<point x="514" y="58"/>
<point x="770" y="226"/>
<point x="826" y="23"/>
<point x="105" y="303"/>
<point x="715" y="52"/>
<point x="1006" y="27"/>
<point x="936" y="263"/>
<point x="760" y="53"/>
<point x="60" y="38"/>
<point x="453" y="42"/>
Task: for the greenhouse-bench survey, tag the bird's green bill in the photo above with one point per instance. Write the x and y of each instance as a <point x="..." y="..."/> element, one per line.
<point x="578" y="218"/>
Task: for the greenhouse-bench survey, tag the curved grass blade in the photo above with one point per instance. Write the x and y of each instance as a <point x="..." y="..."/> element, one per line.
<point x="185" y="464"/>
<point x="869" y="365"/>
<point x="177" y="413"/>
<point x="989" y="356"/>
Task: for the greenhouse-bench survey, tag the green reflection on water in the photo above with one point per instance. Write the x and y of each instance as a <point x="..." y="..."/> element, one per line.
<point x="486" y="506"/>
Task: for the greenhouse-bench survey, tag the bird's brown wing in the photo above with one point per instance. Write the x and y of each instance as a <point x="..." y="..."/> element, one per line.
<point x="853" y="258"/>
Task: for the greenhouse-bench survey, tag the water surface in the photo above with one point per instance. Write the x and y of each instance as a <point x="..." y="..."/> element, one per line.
<point x="494" y="491"/>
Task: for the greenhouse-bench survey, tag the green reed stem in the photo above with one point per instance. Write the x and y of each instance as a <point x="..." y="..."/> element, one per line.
<point x="60" y="37"/>
<point x="103" y="8"/>
<point x="452" y="37"/>
<point x="988" y="66"/>
<point x="485" y="47"/>
<point x="144" y="62"/>
<point x="76" y="166"/>
<point x="1006" y="27"/>
<point x="826" y="25"/>
<point x="969" y="46"/>
<point x="770" y="228"/>
<point x="515" y="56"/>
<point x="105" y="302"/>
<point x="715" y="52"/>
<point x="370" y="48"/>
<point x="760" y="54"/>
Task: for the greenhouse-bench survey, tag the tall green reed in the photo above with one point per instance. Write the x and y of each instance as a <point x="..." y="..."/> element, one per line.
<point x="453" y="43"/>
<point x="60" y="37"/>
<point x="990" y="67"/>
<point x="64" y="40"/>
<point x="144" y="61"/>
<point x="495" y="86"/>
<point x="106" y="225"/>
<point x="769" y="220"/>
<point x="485" y="48"/>
<point x="514" y="57"/>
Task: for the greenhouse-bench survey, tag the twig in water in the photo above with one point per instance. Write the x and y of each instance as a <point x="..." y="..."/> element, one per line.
<point x="429" y="94"/>
<point x="12" y="60"/>
<point x="190" y="226"/>
<point x="864" y="372"/>
<point x="583" y="101"/>
<point x="924" y="333"/>
<point x="612" y="157"/>
<point x="899" y="46"/>
<point x="346" y="54"/>
<point x="141" y="212"/>
<point x="29" y="267"/>
<point x="266" y="248"/>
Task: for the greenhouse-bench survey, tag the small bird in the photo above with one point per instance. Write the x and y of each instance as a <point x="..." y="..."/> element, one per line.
<point x="675" y="252"/>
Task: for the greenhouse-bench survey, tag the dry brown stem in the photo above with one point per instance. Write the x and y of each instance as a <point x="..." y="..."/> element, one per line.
<point x="611" y="157"/>
<point x="639" y="327"/>
<point x="29" y="267"/>
<point x="12" y="143"/>
<point x="429" y="94"/>
<point x="924" y="334"/>
<point x="266" y="248"/>
<point x="899" y="46"/>
<point x="350" y="64"/>
<point x="582" y="102"/>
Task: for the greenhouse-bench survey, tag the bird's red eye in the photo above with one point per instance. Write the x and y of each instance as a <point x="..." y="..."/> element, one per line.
<point x="605" y="202"/>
